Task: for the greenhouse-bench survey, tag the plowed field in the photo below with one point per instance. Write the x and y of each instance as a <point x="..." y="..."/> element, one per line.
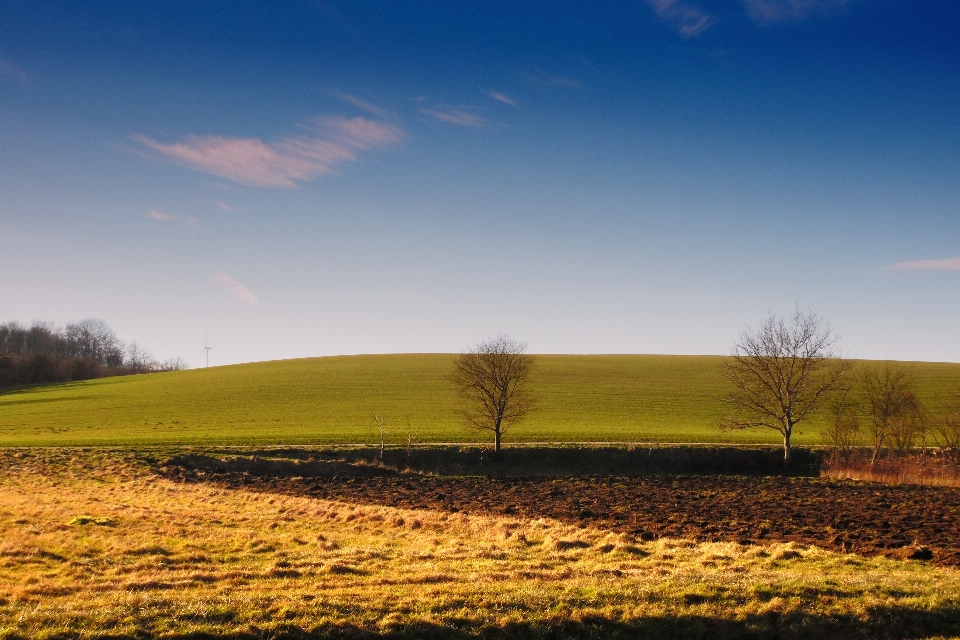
<point x="870" y="519"/>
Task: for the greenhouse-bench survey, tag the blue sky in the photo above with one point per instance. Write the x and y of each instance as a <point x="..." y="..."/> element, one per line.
<point x="314" y="178"/>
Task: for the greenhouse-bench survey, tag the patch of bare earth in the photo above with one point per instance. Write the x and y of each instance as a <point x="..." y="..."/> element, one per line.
<point x="919" y="522"/>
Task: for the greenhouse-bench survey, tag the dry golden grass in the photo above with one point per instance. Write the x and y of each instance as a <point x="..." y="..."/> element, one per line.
<point x="94" y="545"/>
<point x="939" y="471"/>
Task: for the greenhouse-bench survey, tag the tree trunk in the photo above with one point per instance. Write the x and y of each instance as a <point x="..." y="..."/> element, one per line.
<point x="787" y="451"/>
<point x="496" y="440"/>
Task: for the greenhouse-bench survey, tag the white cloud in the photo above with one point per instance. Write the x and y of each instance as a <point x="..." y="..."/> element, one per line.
<point x="689" y="20"/>
<point x="223" y="206"/>
<point x="280" y="163"/>
<point x="458" y="117"/>
<point x="237" y="289"/>
<point x="774" y="11"/>
<point x="496" y="95"/>
<point x="945" y="264"/>
<point x="163" y="216"/>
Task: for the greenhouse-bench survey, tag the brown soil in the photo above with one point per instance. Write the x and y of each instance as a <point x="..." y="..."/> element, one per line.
<point x="915" y="522"/>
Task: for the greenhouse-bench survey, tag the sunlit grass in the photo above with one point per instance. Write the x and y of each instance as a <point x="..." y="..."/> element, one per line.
<point x="334" y="400"/>
<point x="92" y="544"/>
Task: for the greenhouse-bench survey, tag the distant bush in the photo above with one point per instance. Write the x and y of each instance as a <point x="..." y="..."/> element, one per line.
<point x="43" y="353"/>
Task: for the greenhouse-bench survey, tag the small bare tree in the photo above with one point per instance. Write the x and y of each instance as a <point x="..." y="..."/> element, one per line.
<point x="842" y="434"/>
<point x="909" y="428"/>
<point x="381" y="423"/>
<point x="411" y="439"/>
<point x="139" y="360"/>
<point x="782" y="371"/>
<point x="492" y="380"/>
<point x="947" y="429"/>
<point x="893" y="410"/>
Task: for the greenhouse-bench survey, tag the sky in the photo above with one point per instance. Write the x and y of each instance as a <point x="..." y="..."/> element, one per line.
<point x="308" y="178"/>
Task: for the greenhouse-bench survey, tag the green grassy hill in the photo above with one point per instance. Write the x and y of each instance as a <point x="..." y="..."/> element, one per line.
<point x="333" y="400"/>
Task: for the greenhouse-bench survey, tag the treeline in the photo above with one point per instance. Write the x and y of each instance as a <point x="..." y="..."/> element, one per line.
<point x="43" y="353"/>
<point x="882" y="414"/>
<point x="881" y="431"/>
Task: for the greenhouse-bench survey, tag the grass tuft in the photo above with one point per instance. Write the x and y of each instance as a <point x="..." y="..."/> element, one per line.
<point x="79" y="521"/>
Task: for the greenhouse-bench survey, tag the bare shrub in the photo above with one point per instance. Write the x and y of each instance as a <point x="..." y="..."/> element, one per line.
<point x="933" y="468"/>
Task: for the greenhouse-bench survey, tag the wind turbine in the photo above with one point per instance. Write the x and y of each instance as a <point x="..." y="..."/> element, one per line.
<point x="206" y="349"/>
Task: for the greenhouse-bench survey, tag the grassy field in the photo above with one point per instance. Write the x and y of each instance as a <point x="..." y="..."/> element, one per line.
<point x="94" y="545"/>
<point x="334" y="400"/>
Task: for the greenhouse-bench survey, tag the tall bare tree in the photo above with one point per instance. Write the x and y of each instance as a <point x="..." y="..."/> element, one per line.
<point x="492" y="380"/>
<point x="93" y="339"/>
<point x="893" y="409"/>
<point x="782" y="371"/>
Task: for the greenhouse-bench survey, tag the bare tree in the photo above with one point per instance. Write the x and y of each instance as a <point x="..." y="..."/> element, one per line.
<point x="842" y="435"/>
<point x="93" y="339"/>
<point x="947" y="428"/>
<point x="909" y="428"/>
<point x="139" y="360"/>
<point x="381" y="428"/>
<point x="783" y="371"/>
<point x="492" y="380"/>
<point x="893" y="409"/>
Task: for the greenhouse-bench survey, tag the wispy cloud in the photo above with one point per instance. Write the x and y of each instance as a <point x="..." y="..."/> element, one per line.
<point x="328" y="142"/>
<point x="540" y="78"/>
<point x="237" y="289"/>
<point x="944" y="264"/>
<point x="223" y="206"/>
<point x="774" y="11"/>
<point x="688" y="19"/>
<point x="496" y="95"/>
<point x="15" y="73"/>
<point x="458" y="116"/>
<point x="163" y="216"/>
<point x="365" y="105"/>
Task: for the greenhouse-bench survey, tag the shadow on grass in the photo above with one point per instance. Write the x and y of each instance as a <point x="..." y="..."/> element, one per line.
<point x="68" y="385"/>
<point x="885" y="622"/>
<point x="10" y="403"/>
<point x="517" y="460"/>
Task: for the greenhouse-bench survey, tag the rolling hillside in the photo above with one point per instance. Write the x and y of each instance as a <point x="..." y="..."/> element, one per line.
<point x="333" y="400"/>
